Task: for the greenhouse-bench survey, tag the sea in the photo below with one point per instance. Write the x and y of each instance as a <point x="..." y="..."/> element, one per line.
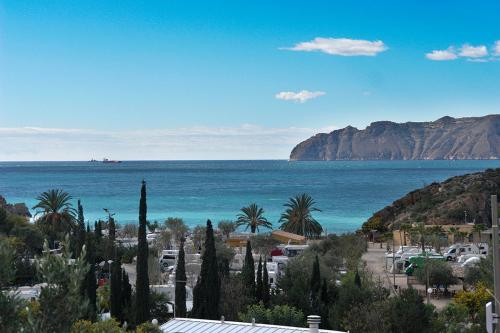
<point x="346" y="192"/>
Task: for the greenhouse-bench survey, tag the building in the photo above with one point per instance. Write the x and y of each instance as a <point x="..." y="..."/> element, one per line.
<point x="287" y="237"/>
<point x="190" y="325"/>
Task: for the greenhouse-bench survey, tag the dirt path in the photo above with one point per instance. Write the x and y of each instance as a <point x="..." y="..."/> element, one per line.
<point x="375" y="264"/>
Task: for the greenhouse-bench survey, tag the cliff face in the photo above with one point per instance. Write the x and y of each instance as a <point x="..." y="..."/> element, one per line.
<point x="445" y="138"/>
<point x="444" y="203"/>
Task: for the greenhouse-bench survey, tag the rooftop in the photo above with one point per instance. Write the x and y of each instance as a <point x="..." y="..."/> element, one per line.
<point x="190" y="325"/>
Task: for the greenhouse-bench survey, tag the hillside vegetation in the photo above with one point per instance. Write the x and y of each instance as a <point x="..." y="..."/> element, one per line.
<point x="443" y="203"/>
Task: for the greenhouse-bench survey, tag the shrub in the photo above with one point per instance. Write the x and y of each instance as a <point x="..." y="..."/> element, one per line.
<point x="278" y="315"/>
<point x="148" y="327"/>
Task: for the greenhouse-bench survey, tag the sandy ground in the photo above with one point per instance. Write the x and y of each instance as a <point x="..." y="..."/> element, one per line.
<point x="374" y="259"/>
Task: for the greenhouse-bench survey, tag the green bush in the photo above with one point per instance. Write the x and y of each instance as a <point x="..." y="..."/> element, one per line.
<point x="278" y="315"/>
<point x="148" y="327"/>
<point x="128" y="254"/>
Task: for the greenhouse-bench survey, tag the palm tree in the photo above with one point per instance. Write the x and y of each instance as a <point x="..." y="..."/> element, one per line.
<point x="455" y="232"/>
<point x="479" y="227"/>
<point x="57" y="215"/>
<point x="253" y="217"/>
<point x="405" y="228"/>
<point x="421" y="231"/>
<point x="298" y="219"/>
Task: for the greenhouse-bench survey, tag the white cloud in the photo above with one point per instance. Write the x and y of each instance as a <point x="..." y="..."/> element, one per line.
<point x="242" y="142"/>
<point x="301" y="96"/>
<point x="440" y="55"/>
<point x="496" y="48"/>
<point x="341" y="46"/>
<point x="470" y="51"/>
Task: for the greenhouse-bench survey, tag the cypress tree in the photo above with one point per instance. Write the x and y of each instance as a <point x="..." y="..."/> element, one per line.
<point x="324" y="305"/>
<point x="112" y="229"/>
<point x="324" y="293"/>
<point x="110" y="244"/>
<point x="116" y="290"/>
<point x="90" y="278"/>
<point x="258" y="285"/>
<point x="126" y="296"/>
<point x="357" y="280"/>
<point x="207" y="290"/>
<point x="142" y="279"/>
<point x="315" y="286"/>
<point x="80" y="231"/>
<point x="248" y="272"/>
<point x="98" y="231"/>
<point x="265" y="285"/>
<point x="126" y="289"/>
<point x="180" y="284"/>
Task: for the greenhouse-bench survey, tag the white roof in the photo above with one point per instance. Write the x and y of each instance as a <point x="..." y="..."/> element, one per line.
<point x="189" y="325"/>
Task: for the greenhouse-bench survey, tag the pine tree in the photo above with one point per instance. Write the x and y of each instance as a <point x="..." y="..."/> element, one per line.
<point x="357" y="280"/>
<point x="265" y="285"/>
<point x="248" y="272"/>
<point x="258" y="284"/>
<point x="116" y="290"/>
<point x="180" y="283"/>
<point x="80" y="230"/>
<point x="315" y="286"/>
<point x="207" y="290"/>
<point x="90" y="278"/>
<point x="142" y="279"/>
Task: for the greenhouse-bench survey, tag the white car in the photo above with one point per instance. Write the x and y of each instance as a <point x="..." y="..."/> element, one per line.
<point x="473" y="261"/>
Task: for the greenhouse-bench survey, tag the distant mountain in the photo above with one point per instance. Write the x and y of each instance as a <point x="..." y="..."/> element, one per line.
<point x="444" y="139"/>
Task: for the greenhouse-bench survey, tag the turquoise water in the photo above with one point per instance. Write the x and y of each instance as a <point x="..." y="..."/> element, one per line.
<point x="347" y="192"/>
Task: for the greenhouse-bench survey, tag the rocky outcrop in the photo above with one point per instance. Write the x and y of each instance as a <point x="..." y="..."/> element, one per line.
<point x="18" y="209"/>
<point x="450" y="202"/>
<point x="444" y="139"/>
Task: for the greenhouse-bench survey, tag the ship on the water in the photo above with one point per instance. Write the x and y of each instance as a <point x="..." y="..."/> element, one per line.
<point x="105" y="160"/>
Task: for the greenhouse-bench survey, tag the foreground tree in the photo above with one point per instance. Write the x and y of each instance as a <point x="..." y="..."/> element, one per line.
<point x="80" y="230"/>
<point x="265" y="285"/>
<point x="258" y="284"/>
<point x="56" y="214"/>
<point x="180" y="283"/>
<point x="252" y="217"/>
<point x="248" y="272"/>
<point x="407" y="313"/>
<point x="60" y="301"/>
<point x="298" y="218"/>
<point x="89" y="283"/>
<point x="315" y="286"/>
<point x="142" y="279"/>
<point x="116" y="297"/>
<point x="207" y="289"/>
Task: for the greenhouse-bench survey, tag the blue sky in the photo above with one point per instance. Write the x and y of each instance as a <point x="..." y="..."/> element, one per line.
<point x="197" y="80"/>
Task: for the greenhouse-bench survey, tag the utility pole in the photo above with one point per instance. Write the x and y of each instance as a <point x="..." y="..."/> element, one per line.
<point x="393" y="266"/>
<point x="496" y="255"/>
